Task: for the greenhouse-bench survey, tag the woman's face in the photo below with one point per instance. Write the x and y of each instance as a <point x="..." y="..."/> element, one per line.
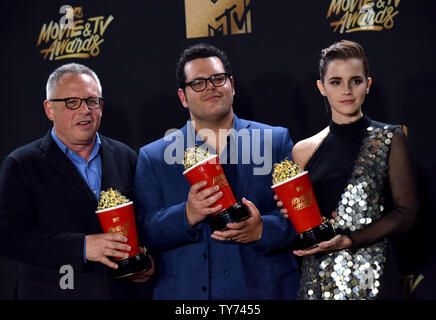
<point x="345" y="86"/>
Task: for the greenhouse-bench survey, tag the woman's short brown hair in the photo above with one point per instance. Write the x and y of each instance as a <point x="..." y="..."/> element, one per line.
<point x="343" y="49"/>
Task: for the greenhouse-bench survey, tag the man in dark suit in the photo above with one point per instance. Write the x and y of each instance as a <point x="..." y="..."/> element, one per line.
<point x="49" y="191"/>
<point x="253" y="258"/>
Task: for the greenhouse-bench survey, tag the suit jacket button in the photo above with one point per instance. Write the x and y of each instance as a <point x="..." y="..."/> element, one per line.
<point x="203" y="288"/>
<point x="204" y="256"/>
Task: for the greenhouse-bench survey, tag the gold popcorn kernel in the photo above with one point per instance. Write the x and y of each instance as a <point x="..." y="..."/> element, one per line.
<point x="285" y="170"/>
<point x="111" y="198"/>
<point x="194" y="155"/>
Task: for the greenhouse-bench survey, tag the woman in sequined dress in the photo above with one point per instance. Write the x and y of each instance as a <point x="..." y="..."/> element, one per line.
<point x="363" y="178"/>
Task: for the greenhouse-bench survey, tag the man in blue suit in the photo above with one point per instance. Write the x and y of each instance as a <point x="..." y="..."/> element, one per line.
<point x="253" y="258"/>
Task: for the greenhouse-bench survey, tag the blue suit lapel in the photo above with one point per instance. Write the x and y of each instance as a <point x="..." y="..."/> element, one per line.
<point x="179" y="140"/>
<point x="242" y="128"/>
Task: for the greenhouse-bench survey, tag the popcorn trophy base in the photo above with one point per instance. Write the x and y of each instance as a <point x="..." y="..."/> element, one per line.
<point x="236" y="213"/>
<point x="310" y="238"/>
<point x="130" y="266"/>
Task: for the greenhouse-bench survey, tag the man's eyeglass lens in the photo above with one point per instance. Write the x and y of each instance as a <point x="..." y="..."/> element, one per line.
<point x="75" y="103"/>
<point x="217" y="80"/>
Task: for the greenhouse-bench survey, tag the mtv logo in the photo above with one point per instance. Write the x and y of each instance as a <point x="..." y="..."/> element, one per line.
<point x="217" y="18"/>
<point x="78" y="12"/>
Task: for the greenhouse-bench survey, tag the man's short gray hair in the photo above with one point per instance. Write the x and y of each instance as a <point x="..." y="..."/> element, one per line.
<point x="77" y="68"/>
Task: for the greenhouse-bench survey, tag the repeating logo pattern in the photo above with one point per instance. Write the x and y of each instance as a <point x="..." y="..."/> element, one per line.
<point x="362" y="15"/>
<point x="73" y="36"/>
<point x="211" y="18"/>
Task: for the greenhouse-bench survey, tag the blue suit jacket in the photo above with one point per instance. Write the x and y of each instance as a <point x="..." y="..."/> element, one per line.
<point x="182" y="251"/>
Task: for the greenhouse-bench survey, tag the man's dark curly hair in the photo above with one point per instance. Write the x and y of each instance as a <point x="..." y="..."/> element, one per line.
<point x="197" y="51"/>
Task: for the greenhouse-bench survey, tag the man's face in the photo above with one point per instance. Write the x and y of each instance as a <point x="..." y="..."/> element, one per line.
<point x="212" y="104"/>
<point x="74" y="127"/>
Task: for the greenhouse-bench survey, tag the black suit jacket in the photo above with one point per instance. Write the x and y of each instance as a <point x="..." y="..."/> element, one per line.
<point x="46" y="209"/>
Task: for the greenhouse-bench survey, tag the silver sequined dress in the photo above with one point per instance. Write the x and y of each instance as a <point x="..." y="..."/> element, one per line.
<point x="349" y="173"/>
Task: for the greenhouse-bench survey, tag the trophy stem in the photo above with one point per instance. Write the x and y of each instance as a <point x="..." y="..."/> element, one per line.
<point x="236" y="213"/>
<point x="129" y="266"/>
<point x="310" y="238"/>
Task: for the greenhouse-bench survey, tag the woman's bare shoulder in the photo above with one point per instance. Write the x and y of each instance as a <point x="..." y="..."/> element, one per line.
<point x="304" y="149"/>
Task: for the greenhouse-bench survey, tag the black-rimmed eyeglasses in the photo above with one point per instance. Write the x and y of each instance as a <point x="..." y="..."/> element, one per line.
<point x="199" y="84"/>
<point x="74" y="103"/>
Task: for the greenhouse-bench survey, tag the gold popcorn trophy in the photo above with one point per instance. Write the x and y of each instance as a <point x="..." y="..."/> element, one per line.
<point x="200" y="165"/>
<point x="115" y="213"/>
<point x="293" y="187"/>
